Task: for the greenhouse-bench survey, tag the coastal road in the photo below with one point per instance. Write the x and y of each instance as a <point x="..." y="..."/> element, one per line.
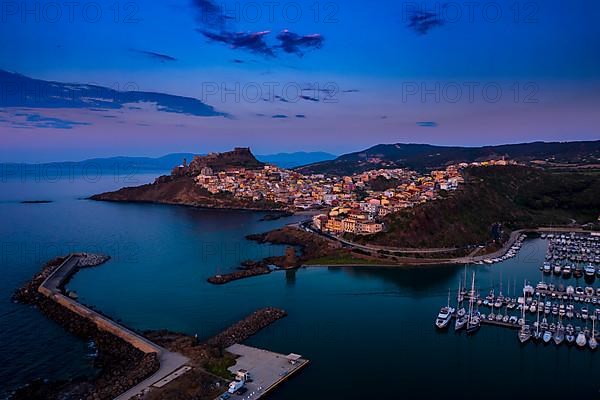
<point x="395" y="250"/>
<point x="169" y="361"/>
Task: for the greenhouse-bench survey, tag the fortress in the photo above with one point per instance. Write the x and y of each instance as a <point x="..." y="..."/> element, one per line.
<point x="239" y="157"/>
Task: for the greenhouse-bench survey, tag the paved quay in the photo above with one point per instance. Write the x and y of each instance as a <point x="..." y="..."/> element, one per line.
<point x="266" y="369"/>
<point x="170" y="363"/>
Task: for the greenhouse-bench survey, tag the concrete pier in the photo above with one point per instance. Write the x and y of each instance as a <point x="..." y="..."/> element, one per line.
<point x="169" y="361"/>
<point x="267" y="370"/>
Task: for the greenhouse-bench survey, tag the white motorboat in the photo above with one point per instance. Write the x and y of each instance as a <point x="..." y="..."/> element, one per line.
<point x="581" y="340"/>
<point x="444" y="317"/>
<point x="590" y="271"/>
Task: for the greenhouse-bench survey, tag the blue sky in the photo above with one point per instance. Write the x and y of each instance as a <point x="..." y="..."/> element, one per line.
<point x="381" y="79"/>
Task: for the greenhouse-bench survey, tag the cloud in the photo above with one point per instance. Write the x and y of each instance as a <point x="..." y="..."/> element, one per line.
<point x="155" y="56"/>
<point x="427" y="124"/>
<point x="282" y="99"/>
<point x="293" y="43"/>
<point x="252" y="41"/>
<point x="54" y="95"/>
<point x="309" y="98"/>
<point x="238" y="61"/>
<point x="40" y="121"/>
<point x="423" y="21"/>
<point x="300" y="116"/>
<point x="210" y="14"/>
<point x="279" y="116"/>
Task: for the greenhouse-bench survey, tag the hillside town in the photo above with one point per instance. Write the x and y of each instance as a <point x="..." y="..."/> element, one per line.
<point x="354" y="204"/>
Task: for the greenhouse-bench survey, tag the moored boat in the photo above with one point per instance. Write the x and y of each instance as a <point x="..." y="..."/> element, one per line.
<point x="581" y="340"/>
<point x="524" y="333"/>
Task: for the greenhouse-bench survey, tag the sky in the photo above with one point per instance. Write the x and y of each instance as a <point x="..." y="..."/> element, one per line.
<point x="284" y="76"/>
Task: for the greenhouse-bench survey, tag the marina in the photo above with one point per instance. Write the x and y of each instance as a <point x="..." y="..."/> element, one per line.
<point x="558" y="310"/>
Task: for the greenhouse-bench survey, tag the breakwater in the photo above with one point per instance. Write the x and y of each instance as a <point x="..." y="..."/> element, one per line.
<point x="123" y="359"/>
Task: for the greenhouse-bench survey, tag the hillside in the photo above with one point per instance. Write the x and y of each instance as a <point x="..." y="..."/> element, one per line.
<point x="426" y="157"/>
<point x="183" y="191"/>
<point x="181" y="188"/>
<point x="514" y="196"/>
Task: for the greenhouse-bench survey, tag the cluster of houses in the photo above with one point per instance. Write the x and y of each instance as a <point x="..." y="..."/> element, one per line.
<point x="353" y="204"/>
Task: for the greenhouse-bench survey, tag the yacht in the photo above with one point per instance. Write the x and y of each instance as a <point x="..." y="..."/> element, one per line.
<point x="547" y="336"/>
<point x="473" y="324"/>
<point x="444" y="317"/>
<point x="570" y="334"/>
<point x="473" y="318"/>
<point x="559" y="335"/>
<point x="567" y="271"/>
<point x="460" y="322"/>
<point x="593" y="341"/>
<point x="590" y="271"/>
<point x="581" y="340"/>
<point x="557" y="269"/>
<point x="525" y="333"/>
<point x="547" y="268"/>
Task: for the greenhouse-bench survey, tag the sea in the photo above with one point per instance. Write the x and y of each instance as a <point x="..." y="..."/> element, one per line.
<point x="368" y="332"/>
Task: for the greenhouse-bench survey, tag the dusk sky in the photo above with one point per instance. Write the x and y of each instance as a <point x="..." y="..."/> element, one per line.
<point x="299" y="76"/>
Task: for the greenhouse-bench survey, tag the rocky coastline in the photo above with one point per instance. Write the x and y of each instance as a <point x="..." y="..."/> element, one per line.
<point x="121" y="365"/>
<point x="183" y="191"/>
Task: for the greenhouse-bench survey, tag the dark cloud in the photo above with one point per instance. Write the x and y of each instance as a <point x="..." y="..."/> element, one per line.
<point x="92" y="97"/>
<point x="210" y="14"/>
<point x="155" y="56"/>
<point x="427" y="124"/>
<point x="40" y="121"/>
<point x="282" y="99"/>
<point x="350" y="91"/>
<point x="238" y="61"/>
<point x="423" y="21"/>
<point x="279" y="116"/>
<point x="309" y="98"/>
<point x="252" y="41"/>
<point x="300" y="116"/>
<point x="295" y="44"/>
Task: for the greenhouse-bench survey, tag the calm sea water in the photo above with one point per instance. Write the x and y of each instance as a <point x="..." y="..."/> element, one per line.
<point x="368" y="332"/>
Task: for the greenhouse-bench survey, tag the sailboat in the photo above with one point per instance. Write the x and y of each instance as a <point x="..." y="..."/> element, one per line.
<point x="570" y="334"/>
<point x="525" y="332"/>
<point x="538" y="334"/>
<point x="559" y="334"/>
<point x="473" y="319"/>
<point x="593" y="342"/>
<point x="445" y="315"/>
<point x="461" y="314"/>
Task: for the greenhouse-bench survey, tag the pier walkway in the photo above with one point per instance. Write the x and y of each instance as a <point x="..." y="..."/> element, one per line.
<point x="169" y="361"/>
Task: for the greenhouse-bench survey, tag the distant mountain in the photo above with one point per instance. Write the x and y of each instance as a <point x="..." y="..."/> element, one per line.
<point x="160" y="164"/>
<point x="22" y="91"/>
<point x="293" y="160"/>
<point x="425" y="156"/>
